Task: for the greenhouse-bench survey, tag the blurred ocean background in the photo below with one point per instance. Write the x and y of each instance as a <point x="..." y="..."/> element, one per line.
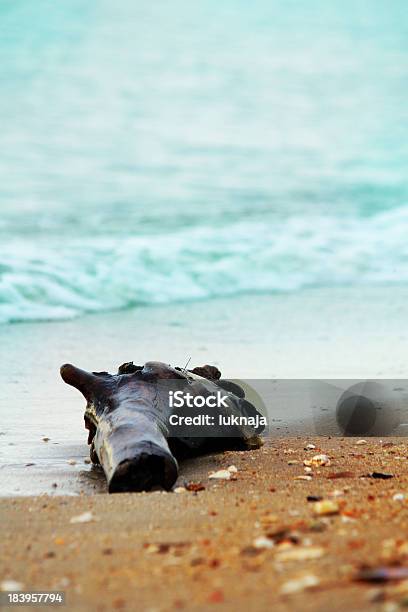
<point x="159" y="152"/>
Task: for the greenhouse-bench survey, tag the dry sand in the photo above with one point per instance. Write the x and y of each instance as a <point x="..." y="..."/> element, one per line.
<point x="167" y="551"/>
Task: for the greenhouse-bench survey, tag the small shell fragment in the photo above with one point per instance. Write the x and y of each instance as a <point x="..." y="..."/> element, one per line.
<point x="233" y="469"/>
<point x="310" y="446"/>
<point x="320" y="460"/>
<point x="326" y="507"/>
<point x="361" y="442"/>
<point x="306" y="553"/>
<point x="303" y="477"/>
<point x="179" y="490"/>
<point x="220" y="475"/>
<point x="11" y="585"/>
<point x="309" y="581"/>
<point x="86" y="517"/>
<point x="263" y="542"/>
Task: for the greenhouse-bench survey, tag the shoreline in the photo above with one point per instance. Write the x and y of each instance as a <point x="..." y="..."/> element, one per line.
<point x="342" y="334"/>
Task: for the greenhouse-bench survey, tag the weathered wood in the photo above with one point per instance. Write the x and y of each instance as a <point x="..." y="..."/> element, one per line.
<point x="127" y="415"/>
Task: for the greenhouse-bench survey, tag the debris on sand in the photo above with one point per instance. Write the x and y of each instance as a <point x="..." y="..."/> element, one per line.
<point x="380" y="475"/>
<point x="232" y="469"/>
<point x="263" y="542"/>
<point x="71" y="461"/>
<point x="326" y="507"/>
<point x="179" y="490"/>
<point x="284" y="536"/>
<point x="310" y="447"/>
<point x="163" y="548"/>
<point x="382" y="574"/>
<point x="194" y="486"/>
<point x="86" y="517"/>
<point x="361" y="442"/>
<point x="317" y="461"/>
<point x="304" y="553"/>
<point x="308" y="581"/>
<point x="11" y="585"/>
<point x="343" y="474"/>
<point x="314" y="498"/>
<point x="305" y="477"/>
<point x="220" y="475"/>
<point x="398" y="497"/>
<point x="337" y="493"/>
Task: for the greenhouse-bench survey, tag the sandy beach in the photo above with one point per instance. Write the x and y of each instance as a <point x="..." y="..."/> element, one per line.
<point x="254" y="542"/>
<point x="251" y="542"/>
<point x="358" y="334"/>
<point x="196" y="183"/>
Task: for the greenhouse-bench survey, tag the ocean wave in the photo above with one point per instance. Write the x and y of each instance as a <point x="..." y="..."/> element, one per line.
<point x="65" y="278"/>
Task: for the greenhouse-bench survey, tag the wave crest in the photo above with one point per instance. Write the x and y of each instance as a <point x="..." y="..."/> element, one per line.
<point x="42" y="281"/>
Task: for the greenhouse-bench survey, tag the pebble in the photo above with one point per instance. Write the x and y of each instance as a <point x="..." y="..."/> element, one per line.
<point x="336" y="493"/>
<point x="86" y="517"/>
<point x="302" y="583"/>
<point x="11" y="585"/>
<point x="220" y="475"/>
<point x="232" y="469"/>
<point x="320" y="460"/>
<point x="326" y="507"/>
<point x="263" y="542"/>
<point x="301" y="554"/>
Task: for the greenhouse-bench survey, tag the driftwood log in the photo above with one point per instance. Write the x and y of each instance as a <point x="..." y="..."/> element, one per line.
<point x="128" y="419"/>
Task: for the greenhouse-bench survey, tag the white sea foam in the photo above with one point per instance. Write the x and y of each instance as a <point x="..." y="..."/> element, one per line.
<point x="56" y="280"/>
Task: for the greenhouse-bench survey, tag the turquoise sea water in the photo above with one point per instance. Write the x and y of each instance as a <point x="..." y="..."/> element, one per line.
<point x="154" y="152"/>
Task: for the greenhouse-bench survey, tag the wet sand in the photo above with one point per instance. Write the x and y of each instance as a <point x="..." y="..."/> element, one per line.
<point x="342" y="333"/>
<point x="237" y="544"/>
